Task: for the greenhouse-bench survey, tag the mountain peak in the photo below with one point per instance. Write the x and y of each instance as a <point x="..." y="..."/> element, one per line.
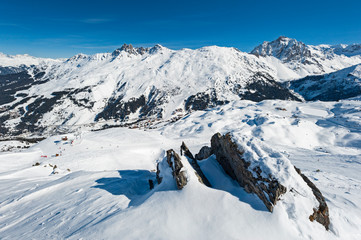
<point x="138" y="50"/>
<point x="284" y="48"/>
<point x="284" y="39"/>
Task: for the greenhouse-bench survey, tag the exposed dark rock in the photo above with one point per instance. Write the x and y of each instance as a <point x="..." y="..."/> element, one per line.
<point x="283" y="48"/>
<point x="201" y="177"/>
<point x="328" y="87"/>
<point x="12" y="83"/>
<point x="321" y="214"/>
<point x="159" y="178"/>
<point x="176" y="165"/>
<point x="204" y="153"/>
<point x="119" y="109"/>
<point x="261" y="87"/>
<point x="131" y="50"/>
<point x="21" y="139"/>
<point x="203" y="100"/>
<point x="12" y="70"/>
<point x="230" y="158"/>
<point x="149" y="106"/>
<point x="151" y="184"/>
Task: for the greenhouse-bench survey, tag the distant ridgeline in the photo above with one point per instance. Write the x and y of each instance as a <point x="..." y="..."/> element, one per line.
<point x="143" y="87"/>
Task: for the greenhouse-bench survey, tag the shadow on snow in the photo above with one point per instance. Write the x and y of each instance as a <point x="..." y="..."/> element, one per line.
<point x="134" y="184"/>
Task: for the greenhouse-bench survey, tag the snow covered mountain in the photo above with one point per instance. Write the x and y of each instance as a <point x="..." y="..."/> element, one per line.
<point x="293" y="59"/>
<point x="17" y="63"/>
<point x="132" y="84"/>
<point x="148" y="85"/>
<point x="342" y="84"/>
<point x="269" y="166"/>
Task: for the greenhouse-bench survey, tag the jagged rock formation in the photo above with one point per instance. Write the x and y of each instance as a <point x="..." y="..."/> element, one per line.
<point x="135" y="51"/>
<point x="283" y="48"/>
<point x="175" y="163"/>
<point x="201" y="177"/>
<point x="230" y="158"/>
<point x="204" y="153"/>
<point x="321" y="214"/>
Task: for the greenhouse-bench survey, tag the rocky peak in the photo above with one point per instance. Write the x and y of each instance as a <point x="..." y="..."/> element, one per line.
<point x="137" y="51"/>
<point x="128" y="48"/>
<point x="284" y="48"/>
<point x="125" y="48"/>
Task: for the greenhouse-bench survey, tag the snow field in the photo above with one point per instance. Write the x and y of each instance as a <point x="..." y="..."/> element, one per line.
<point x="106" y="193"/>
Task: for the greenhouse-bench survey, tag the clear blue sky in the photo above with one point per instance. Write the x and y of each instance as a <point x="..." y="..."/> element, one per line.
<point x="64" y="28"/>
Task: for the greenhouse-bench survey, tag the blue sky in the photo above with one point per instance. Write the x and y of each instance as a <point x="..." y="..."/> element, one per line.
<point x="65" y="28"/>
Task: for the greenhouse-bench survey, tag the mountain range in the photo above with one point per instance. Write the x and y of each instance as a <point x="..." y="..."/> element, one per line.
<point x="147" y="86"/>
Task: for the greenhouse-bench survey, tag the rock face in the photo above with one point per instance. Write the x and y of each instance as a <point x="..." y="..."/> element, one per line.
<point x="230" y="158"/>
<point x="201" y="177"/>
<point x="176" y="165"/>
<point x="204" y="153"/>
<point x="283" y="48"/>
<point x="321" y="214"/>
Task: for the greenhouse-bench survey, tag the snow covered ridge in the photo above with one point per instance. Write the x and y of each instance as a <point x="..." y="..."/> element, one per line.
<point x="342" y="84"/>
<point x="145" y="86"/>
<point x="25" y="59"/>
<point x="293" y="59"/>
<point x="131" y="85"/>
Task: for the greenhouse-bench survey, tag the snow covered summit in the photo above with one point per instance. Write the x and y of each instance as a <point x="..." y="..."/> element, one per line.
<point x="293" y="59"/>
<point x="133" y="84"/>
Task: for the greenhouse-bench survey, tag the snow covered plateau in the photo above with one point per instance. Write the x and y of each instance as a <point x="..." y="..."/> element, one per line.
<point x="84" y="144"/>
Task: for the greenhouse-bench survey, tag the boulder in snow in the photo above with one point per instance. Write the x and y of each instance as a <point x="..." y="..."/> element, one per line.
<point x="175" y="163"/>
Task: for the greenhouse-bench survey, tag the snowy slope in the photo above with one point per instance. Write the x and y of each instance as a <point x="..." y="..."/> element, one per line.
<point x="133" y="84"/>
<point x="342" y="84"/>
<point x="106" y="194"/>
<point x="25" y="59"/>
<point x="148" y="85"/>
<point x="293" y="59"/>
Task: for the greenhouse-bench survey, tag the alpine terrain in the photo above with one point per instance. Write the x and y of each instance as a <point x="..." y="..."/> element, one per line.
<point x="211" y="143"/>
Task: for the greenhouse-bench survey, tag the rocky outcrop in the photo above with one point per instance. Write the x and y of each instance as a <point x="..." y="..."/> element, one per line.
<point x="268" y="189"/>
<point x="201" y="177"/>
<point x="175" y="163"/>
<point x="204" y="153"/>
<point x="321" y="214"/>
<point x="230" y="158"/>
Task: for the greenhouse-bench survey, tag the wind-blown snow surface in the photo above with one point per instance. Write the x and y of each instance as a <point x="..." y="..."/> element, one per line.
<point x="105" y="195"/>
